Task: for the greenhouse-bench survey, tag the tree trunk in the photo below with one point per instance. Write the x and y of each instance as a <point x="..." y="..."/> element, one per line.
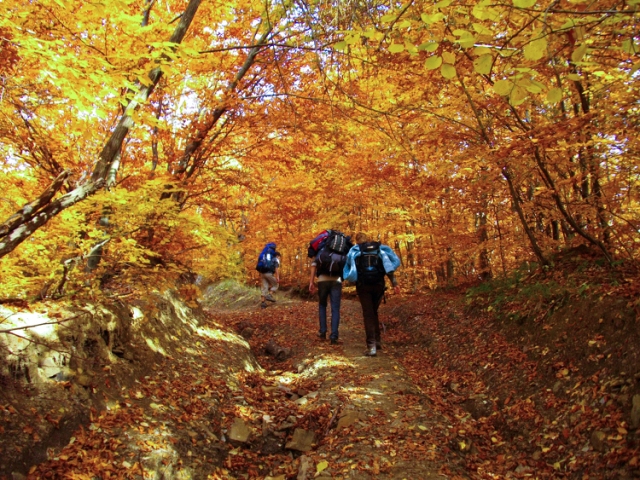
<point x="516" y="204"/>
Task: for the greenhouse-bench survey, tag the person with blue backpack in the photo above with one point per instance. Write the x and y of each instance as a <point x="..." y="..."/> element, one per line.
<point x="368" y="263"/>
<point x="269" y="267"/>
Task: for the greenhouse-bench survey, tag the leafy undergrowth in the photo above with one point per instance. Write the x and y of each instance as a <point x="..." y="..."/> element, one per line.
<point x="536" y="374"/>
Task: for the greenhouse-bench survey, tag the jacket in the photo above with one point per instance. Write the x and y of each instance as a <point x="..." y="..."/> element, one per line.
<point x="390" y="262"/>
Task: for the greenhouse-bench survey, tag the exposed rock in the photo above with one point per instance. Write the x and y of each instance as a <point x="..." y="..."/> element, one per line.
<point x="348" y="419"/>
<point x="306" y="468"/>
<point x="239" y="431"/>
<point x="302" y="440"/>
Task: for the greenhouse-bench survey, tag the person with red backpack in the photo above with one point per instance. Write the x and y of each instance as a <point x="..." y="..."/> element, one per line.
<point x="368" y="263"/>
<point x="329" y="252"/>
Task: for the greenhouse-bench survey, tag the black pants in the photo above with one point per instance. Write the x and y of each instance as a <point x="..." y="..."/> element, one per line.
<point x="370" y="297"/>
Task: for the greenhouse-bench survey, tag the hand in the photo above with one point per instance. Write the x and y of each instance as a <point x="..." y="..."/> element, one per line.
<point x="312" y="287"/>
<point x="396" y="289"/>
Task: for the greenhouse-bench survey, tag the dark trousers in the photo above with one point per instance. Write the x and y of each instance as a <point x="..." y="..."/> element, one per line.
<point x="326" y="290"/>
<point x="370" y="297"/>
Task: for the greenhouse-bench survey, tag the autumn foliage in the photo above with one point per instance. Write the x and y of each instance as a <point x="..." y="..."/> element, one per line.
<point x="471" y="137"/>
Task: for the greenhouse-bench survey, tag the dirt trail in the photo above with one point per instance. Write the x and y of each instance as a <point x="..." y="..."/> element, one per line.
<point x="381" y="419"/>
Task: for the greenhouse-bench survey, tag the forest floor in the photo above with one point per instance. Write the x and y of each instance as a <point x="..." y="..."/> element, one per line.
<point x="453" y="394"/>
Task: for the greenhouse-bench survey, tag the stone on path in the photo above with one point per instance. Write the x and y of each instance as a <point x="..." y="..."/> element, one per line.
<point x="239" y="431"/>
<point x="306" y="468"/>
<point x="348" y="419"/>
<point x="302" y="440"/>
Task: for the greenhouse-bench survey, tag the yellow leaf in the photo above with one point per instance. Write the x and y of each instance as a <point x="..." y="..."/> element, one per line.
<point x="524" y="3"/>
<point x="340" y="46"/>
<point x="536" y="49"/>
<point x="482" y="64"/>
<point x="481" y="29"/>
<point x="433" y="62"/>
<point x="429" y="46"/>
<point x="578" y="53"/>
<point x="518" y="96"/>
<point x="481" y="51"/>
<point x="448" y="57"/>
<point x="503" y="87"/>
<point x="410" y="47"/>
<point x="396" y="48"/>
<point x="322" y="466"/>
<point x="448" y="71"/>
<point x="554" y="95"/>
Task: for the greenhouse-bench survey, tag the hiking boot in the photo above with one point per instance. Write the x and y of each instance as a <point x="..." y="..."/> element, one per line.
<point x="263" y="305"/>
<point x="334" y="341"/>
<point x="370" y="352"/>
<point x="322" y="336"/>
<point x="270" y="298"/>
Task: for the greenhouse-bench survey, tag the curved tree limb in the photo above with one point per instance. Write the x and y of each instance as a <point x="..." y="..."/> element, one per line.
<point x="27" y="212"/>
<point x="23" y="229"/>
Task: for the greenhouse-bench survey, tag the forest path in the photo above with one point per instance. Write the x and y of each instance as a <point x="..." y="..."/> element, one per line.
<point x="380" y="420"/>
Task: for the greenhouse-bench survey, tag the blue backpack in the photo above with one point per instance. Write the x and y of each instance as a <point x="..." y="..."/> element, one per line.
<point x="267" y="260"/>
<point x="369" y="264"/>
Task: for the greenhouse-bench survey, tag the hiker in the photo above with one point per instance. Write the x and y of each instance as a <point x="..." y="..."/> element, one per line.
<point x="269" y="267"/>
<point x="329" y="257"/>
<point x="367" y="264"/>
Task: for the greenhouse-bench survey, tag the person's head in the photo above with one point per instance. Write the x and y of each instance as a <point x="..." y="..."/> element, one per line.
<point x="361" y="237"/>
<point x="277" y="254"/>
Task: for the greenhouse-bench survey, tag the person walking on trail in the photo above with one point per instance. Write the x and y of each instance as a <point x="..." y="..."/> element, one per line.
<point x="367" y="265"/>
<point x="327" y="266"/>
<point x="269" y="267"/>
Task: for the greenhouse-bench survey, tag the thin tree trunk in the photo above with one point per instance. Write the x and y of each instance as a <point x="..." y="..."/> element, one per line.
<point x="516" y="204"/>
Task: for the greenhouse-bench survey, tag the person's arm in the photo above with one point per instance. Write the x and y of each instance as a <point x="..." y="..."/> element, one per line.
<point x="312" y="277"/>
<point x="394" y="282"/>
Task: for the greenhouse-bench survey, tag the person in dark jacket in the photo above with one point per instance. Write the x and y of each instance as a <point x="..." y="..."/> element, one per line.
<point x="372" y="262"/>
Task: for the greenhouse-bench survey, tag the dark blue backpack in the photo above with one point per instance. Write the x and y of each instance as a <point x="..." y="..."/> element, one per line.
<point x="267" y="260"/>
<point x="369" y="264"/>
